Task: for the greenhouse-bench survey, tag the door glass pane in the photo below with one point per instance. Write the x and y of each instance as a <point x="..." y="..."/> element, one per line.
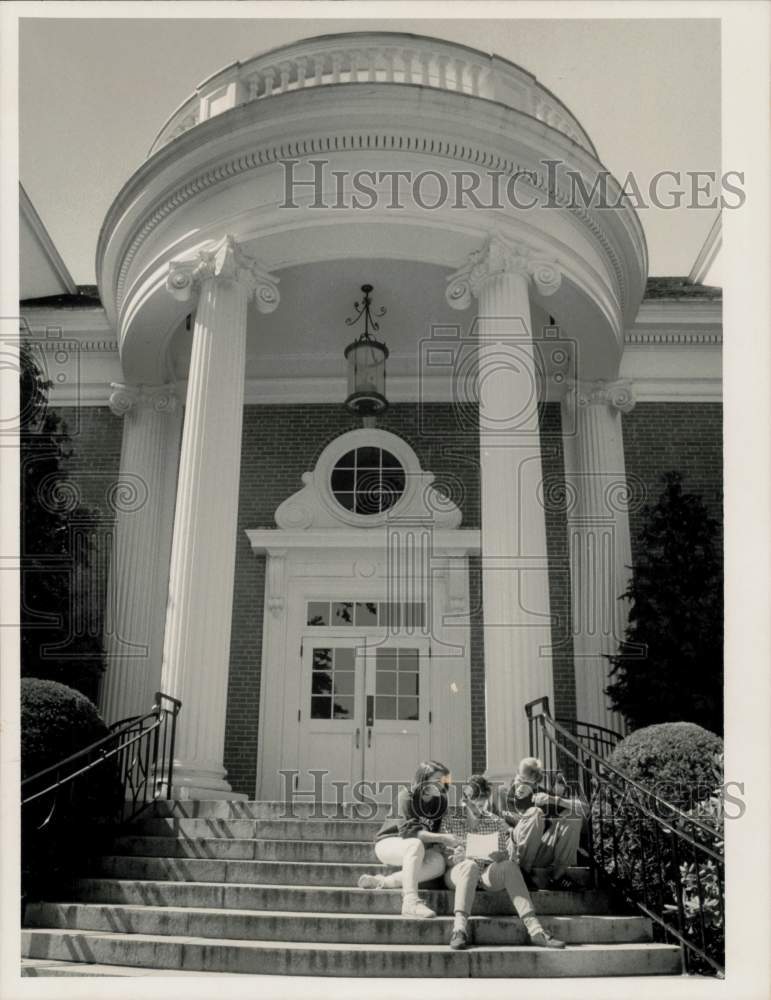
<point x="414" y="615"/>
<point x="321" y="708"/>
<point x="344" y="658"/>
<point x="408" y="708"/>
<point x="385" y="659"/>
<point x="322" y="659"/>
<point x="343" y="708"/>
<point x="385" y="682"/>
<point x="344" y="682"/>
<point x="385" y="707"/>
<point x="342" y="612"/>
<point x="366" y="613"/>
<point x="408" y="684"/>
<point x="318" y="612"/>
<point x="408" y="660"/>
<point x="321" y="682"/>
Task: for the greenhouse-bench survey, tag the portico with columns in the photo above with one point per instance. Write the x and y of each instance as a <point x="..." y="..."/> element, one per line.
<point x="221" y="298"/>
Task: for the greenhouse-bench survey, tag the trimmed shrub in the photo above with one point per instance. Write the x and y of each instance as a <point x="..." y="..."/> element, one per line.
<point x="60" y="830"/>
<point x="672" y="759"/>
<point x="681" y="763"/>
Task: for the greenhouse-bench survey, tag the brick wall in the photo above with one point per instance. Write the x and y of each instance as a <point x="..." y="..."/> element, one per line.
<point x="681" y="437"/>
<point x="93" y="468"/>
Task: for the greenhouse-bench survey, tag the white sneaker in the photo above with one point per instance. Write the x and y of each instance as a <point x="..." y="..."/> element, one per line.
<point x="371" y="882"/>
<point x="415" y="908"/>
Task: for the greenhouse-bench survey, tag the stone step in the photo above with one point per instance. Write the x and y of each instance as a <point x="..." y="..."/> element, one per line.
<point x="214" y="869"/>
<point x="218" y="870"/>
<point x="318" y="899"/>
<point x="266" y="809"/>
<point x="265" y="829"/>
<point x="44" y="968"/>
<point x="247" y="849"/>
<point x="300" y="958"/>
<point x="324" y="927"/>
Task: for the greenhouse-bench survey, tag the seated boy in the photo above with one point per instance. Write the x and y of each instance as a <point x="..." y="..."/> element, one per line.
<point x="546" y="826"/>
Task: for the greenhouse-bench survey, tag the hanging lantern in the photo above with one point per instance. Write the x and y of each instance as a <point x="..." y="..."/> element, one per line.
<point x="366" y="360"/>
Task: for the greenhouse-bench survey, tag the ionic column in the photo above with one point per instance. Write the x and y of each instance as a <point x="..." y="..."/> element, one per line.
<point x="515" y="582"/>
<point x="197" y="642"/>
<point x="599" y="543"/>
<point x="143" y="498"/>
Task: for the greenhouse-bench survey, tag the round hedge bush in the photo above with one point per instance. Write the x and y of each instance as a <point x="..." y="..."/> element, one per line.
<point x="673" y="759"/>
<point x="56" y="721"/>
<point x="61" y="830"/>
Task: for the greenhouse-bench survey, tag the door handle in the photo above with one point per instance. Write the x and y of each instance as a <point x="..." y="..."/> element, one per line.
<point x="369" y="738"/>
<point x="358" y="734"/>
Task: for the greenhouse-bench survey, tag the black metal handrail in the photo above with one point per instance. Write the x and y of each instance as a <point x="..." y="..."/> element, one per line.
<point x="139" y="749"/>
<point x="667" y="862"/>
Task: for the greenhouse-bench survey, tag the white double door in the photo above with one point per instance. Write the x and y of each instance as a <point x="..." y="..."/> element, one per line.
<point x="364" y="710"/>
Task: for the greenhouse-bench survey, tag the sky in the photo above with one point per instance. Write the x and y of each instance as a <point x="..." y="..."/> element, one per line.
<point x="94" y="93"/>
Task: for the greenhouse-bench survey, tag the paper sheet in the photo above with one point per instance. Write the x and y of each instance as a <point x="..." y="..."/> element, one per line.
<point x="481" y="845"/>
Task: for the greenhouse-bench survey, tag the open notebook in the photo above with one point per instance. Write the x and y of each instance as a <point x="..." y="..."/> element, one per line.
<point x="481" y="845"/>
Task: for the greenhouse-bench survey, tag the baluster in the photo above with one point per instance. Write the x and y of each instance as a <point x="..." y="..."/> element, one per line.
<point x="270" y="77"/>
<point x="475" y="71"/>
<point x="459" y="65"/>
<point x="319" y="68"/>
<point x="371" y="65"/>
<point x="389" y="64"/>
<point x="336" y="63"/>
<point x="442" y="60"/>
<point x="285" y="70"/>
<point x="254" y="87"/>
<point x="425" y="77"/>
<point x="302" y="69"/>
<point x="354" y="63"/>
<point x="407" y="55"/>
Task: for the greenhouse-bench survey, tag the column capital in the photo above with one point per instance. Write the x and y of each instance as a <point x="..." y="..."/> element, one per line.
<point x="125" y="398"/>
<point x="618" y="394"/>
<point x="500" y="255"/>
<point x="226" y="260"/>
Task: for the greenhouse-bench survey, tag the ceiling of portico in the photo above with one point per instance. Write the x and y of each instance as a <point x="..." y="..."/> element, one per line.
<point x="299" y="347"/>
<point x="307" y="334"/>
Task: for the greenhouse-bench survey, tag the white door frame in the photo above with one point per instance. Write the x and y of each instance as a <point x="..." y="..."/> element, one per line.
<point x="354" y="564"/>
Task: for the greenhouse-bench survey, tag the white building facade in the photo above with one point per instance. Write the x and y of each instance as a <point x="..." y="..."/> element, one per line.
<point x="335" y="598"/>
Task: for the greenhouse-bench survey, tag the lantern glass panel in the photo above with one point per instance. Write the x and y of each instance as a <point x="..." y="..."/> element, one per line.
<point x="366" y="369"/>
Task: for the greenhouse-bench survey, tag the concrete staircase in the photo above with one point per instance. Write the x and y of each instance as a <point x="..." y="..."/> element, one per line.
<point x="205" y="887"/>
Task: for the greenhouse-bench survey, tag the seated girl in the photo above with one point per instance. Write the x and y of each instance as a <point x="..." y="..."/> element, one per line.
<point x="411" y="840"/>
<point x="493" y="869"/>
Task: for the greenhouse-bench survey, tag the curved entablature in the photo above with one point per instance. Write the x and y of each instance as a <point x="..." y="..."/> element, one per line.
<point x="228" y="176"/>
<point x="372" y="58"/>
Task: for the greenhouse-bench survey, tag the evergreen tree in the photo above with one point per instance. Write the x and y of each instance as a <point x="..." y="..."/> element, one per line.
<point x="669" y="667"/>
<point x="58" y="639"/>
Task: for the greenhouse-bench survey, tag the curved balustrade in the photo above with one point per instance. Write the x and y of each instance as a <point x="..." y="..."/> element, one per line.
<point x="372" y="58"/>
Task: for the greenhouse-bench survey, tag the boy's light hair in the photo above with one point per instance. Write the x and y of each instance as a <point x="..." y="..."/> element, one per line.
<point x="530" y="768"/>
